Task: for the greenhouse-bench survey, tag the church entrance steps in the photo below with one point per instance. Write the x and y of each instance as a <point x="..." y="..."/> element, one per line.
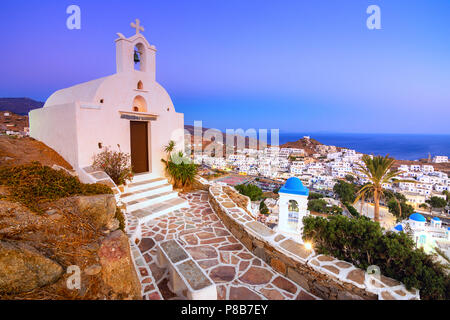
<point x="148" y="197"/>
<point x="136" y="195"/>
<point x="157" y="210"/>
<point x="137" y="186"/>
<point x="139" y="177"/>
<point x="142" y="203"/>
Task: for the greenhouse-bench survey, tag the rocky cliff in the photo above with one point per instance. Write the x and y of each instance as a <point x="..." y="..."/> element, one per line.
<point x="41" y="254"/>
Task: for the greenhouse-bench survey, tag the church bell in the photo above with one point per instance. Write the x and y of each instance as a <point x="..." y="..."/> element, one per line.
<point x="136" y="57"/>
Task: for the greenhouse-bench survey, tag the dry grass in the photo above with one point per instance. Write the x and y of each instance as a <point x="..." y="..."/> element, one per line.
<point x="20" y="151"/>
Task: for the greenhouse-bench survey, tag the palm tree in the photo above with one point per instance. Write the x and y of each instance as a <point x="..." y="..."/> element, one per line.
<point x="378" y="170"/>
<point x="168" y="149"/>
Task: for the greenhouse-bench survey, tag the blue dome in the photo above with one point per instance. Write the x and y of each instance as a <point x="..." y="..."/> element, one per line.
<point x="417" y="217"/>
<point x="436" y="219"/>
<point x="294" y="186"/>
<point x="399" y="227"/>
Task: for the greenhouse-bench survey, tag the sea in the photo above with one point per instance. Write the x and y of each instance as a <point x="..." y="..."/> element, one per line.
<point x="398" y="146"/>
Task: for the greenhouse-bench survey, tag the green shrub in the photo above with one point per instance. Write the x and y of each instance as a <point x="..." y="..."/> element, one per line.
<point x="335" y="210"/>
<point x="362" y="242"/>
<point x="314" y="195"/>
<point x="263" y="208"/>
<point x="317" y="205"/>
<point x="181" y="170"/>
<point x="346" y="191"/>
<point x="116" y="164"/>
<point x="321" y="206"/>
<point x="251" y="191"/>
<point x="33" y="184"/>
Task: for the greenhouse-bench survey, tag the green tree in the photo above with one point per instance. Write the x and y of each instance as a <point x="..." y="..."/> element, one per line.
<point x="317" y="205"/>
<point x="389" y="195"/>
<point x="314" y="195"/>
<point x="345" y="191"/>
<point x="378" y="170"/>
<point x="396" y="203"/>
<point x="446" y="194"/>
<point x="436" y="202"/>
<point x="400" y="209"/>
<point x="251" y="191"/>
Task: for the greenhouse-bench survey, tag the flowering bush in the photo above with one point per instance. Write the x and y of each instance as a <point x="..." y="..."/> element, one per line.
<point x="116" y="164"/>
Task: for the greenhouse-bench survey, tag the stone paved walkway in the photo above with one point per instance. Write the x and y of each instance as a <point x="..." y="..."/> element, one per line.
<point x="238" y="274"/>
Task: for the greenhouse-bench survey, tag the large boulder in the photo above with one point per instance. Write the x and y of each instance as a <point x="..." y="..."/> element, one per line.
<point x="23" y="268"/>
<point x="118" y="270"/>
<point x="101" y="209"/>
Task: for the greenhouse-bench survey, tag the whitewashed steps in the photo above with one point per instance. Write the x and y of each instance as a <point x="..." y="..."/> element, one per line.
<point x="143" y="193"/>
<point x="139" y="177"/>
<point x="149" y="197"/>
<point x="146" y="184"/>
<point x="150" y="200"/>
<point x="156" y="210"/>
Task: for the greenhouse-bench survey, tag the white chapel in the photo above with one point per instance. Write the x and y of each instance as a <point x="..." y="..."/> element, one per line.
<point x="129" y="110"/>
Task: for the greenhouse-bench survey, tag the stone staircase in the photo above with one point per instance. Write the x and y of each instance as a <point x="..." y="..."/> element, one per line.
<point x="149" y="197"/>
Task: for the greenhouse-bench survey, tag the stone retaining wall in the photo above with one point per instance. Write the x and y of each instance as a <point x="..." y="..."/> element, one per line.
<point x="323" y="276"/>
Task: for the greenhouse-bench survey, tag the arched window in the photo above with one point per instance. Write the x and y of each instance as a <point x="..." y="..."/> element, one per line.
<point x="139" y="104"/>
<point x="140" y="85"/>
<point x="293" y="214"/>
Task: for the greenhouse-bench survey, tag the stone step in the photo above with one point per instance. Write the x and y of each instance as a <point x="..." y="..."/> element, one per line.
<point x="150" y="200"/>
<point x="159" y="209"/>
<point x="139" y="177"/>
<point x="132" y="196"/>
<point x="137" y="186"/>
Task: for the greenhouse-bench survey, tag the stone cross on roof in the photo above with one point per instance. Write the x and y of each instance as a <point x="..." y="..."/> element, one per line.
<point x="137" y="25"/>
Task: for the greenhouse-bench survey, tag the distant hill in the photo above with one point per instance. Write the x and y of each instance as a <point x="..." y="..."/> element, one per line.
<point x="19" y="105"/>
<point x="309" y="145"/>
<point x="249" y="142"/>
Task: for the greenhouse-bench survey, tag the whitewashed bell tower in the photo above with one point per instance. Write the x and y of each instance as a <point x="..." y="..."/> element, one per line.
<point x="293" y="205"/>
<point x="128" y="48"/>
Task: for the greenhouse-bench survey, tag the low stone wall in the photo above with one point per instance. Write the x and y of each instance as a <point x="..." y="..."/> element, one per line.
<point x="323" y="276"/>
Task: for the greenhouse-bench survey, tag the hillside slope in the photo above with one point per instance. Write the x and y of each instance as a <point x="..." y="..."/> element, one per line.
<point x="17" y="151"/>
